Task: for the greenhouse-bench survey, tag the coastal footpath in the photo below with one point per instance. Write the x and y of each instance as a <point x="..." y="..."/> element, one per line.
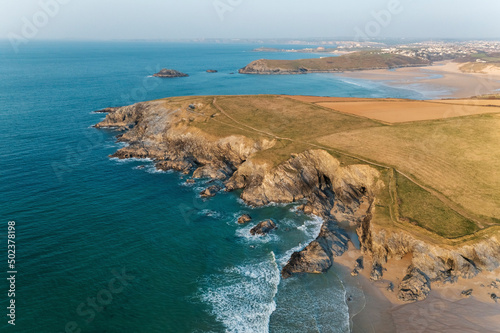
<point x="272" y="159"/>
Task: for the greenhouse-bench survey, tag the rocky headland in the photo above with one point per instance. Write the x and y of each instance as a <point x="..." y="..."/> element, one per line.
<point x="357" y="61"/>
<point x="340" y="194"/>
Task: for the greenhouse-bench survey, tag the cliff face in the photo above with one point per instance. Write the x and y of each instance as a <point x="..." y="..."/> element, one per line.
<point x="430" y="263"/>
<point x="339" y="194"/>
<point x="153" y="130"/>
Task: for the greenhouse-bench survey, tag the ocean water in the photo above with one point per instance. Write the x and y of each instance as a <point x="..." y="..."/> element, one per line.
<point x="111" y="246"/>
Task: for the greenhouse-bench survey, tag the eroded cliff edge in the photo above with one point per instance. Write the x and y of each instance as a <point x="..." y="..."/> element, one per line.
<point x="341" y="195"/>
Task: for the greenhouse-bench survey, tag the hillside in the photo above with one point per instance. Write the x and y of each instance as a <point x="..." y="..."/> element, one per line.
<point x="348" y="62"/>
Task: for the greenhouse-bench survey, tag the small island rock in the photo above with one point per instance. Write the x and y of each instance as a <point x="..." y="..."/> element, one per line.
<point x="167" y="73"/>
<point x="263" y="228"/>
<point x="211" y="191"/>
<point x="244" y="219"/>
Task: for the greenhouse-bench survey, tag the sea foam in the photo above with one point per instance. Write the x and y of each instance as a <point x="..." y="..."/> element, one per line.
<point x="242" y="297"/>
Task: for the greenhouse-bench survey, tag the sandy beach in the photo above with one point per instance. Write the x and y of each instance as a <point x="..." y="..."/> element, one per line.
<point x="444" y="310"/>
<point x="445" y="78"/>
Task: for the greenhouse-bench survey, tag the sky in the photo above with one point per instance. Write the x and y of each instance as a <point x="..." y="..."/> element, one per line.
<point x="294" y="19"/>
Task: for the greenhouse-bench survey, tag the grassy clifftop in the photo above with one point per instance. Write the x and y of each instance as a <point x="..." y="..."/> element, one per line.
<point x="348" y="62"/>
<point x="440" y="174"/>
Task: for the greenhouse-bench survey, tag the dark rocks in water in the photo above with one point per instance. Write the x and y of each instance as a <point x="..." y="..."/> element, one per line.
<point x="211" y="71"/>
<point x="263" y="228"/>
<point x="140" y="167"/>
<point x="415" y="286"/>
<point x="168" y="73"/>
<point x="467" y="293"/>
<point x="190" y="181"/>
<point x="211" y="191"/>
<point x="377" y="272"/>
<point x="245" y="218"/>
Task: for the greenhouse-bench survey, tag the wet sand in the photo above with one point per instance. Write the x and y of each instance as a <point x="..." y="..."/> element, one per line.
<point x="445" y="78"/>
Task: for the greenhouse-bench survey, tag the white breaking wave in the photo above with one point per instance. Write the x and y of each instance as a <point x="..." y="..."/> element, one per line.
<point x="242" y="297"/>
<point x="244" y="233"/>
<point x="129" y="160"/>
<point x="211" y="213"/>
<point x="311" y="228"/>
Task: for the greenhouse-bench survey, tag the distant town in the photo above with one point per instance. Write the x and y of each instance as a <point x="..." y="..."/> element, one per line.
<point x="429" y="50"/>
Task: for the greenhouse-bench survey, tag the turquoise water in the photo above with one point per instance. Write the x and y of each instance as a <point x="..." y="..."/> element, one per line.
<point x="82" y="218"/>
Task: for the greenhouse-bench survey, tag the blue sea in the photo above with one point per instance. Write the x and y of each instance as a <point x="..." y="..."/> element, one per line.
<point x="104" y="245"/>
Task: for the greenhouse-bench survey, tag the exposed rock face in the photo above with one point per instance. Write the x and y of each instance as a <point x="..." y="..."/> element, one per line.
<point x="317" y="257"/>
<point x="359" y="266"/>
<point x="168" y="73"/>
<point x="415" y="286"/>
<point x="377" y="272"/>
<point x="429" y="262"/>
<point x="263" y="228"/>
<point x="245" y="218"/>
<point x="211" y="71"/>
<point x="156" y="130"/>
<point x="211" y="191"/>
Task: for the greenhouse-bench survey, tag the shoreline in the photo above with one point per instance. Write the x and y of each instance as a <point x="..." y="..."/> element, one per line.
<point x="443" y="77"/>
<point x="444" y="308"/>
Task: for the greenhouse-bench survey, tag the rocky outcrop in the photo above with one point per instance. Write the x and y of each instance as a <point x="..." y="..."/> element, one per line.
<point x="317" y="257"/>
<point x="210" y="191"/>
<point x="358" y="266"/>
<point x="338" y="194"/>
<point x="263" y="228"/>
<point x="415" y="286"/>
<point x="161" y="132"/>
<point x="211" y="71"/>
<point x="245" y="218"/>
<point x="169" y="73"/>
<point x="107" y="110"/>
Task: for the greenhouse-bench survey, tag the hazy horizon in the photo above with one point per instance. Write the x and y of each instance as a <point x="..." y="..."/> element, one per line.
<point x="244" y="19"/>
